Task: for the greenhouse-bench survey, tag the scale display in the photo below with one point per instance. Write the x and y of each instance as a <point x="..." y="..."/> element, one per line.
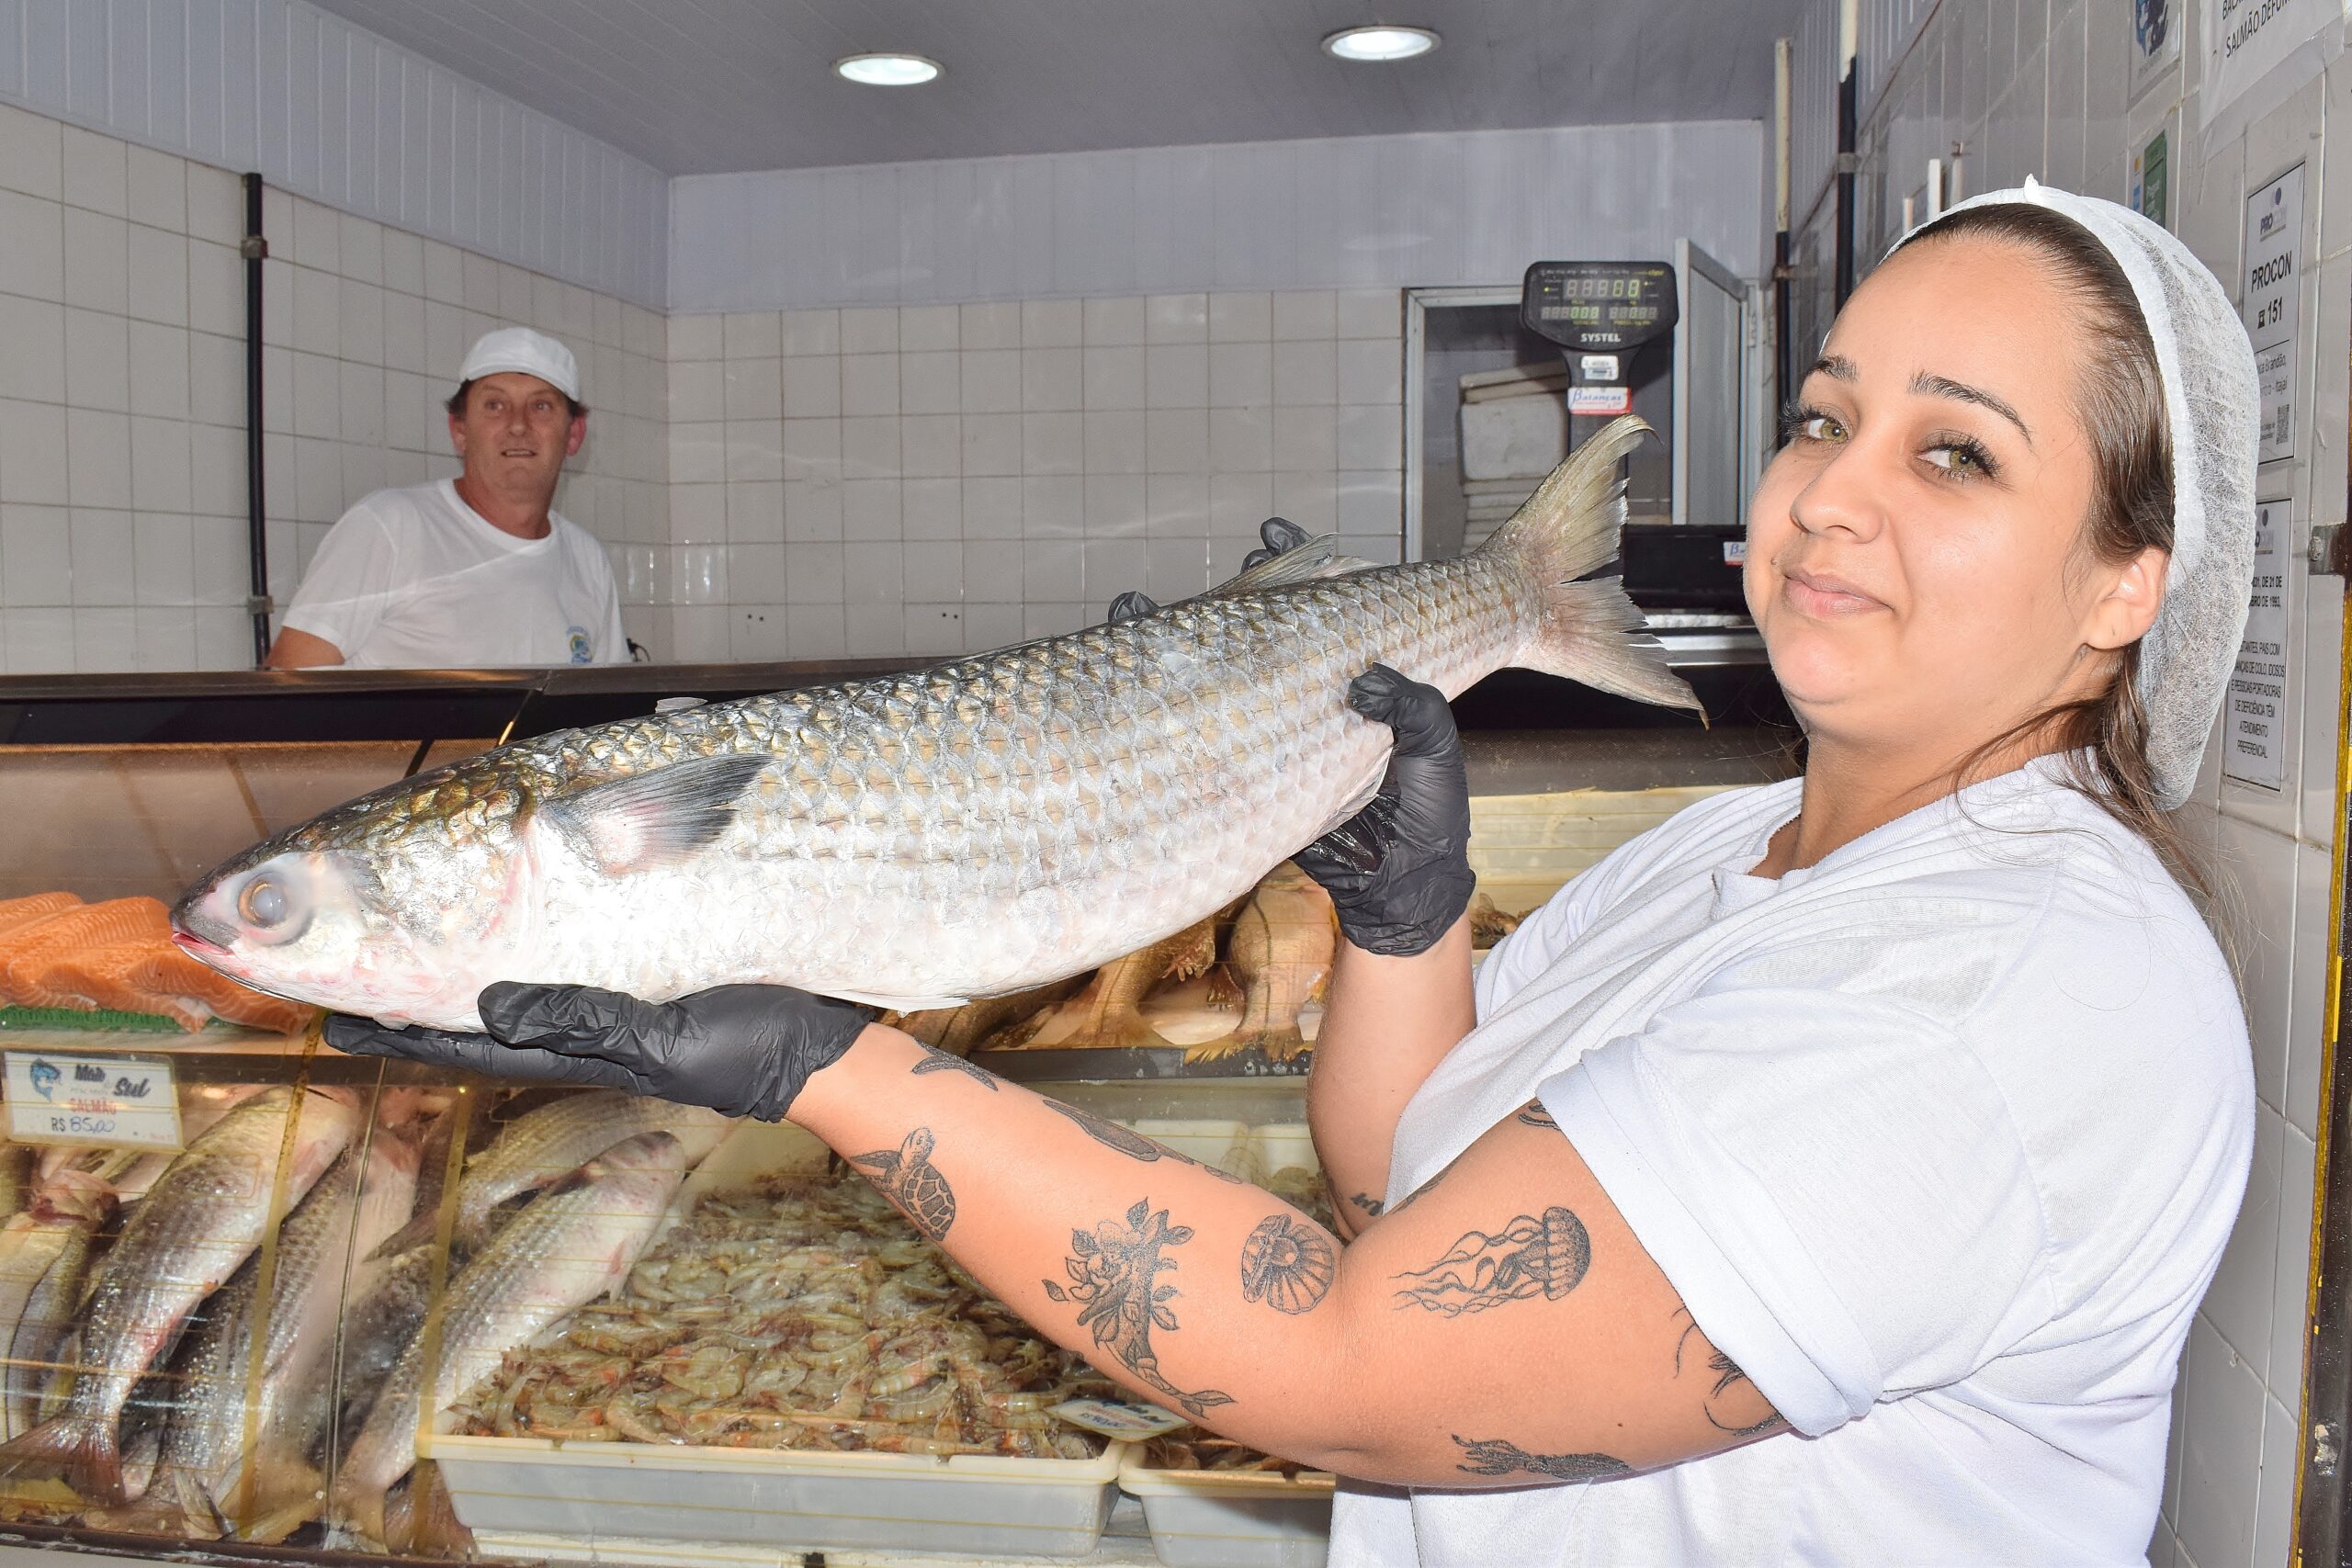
<point x="1599" y="306"/>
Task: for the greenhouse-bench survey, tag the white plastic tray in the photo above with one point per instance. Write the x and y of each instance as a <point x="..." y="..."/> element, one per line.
<point x="1208" y="1519"/>
<point x="968" y="1504"/>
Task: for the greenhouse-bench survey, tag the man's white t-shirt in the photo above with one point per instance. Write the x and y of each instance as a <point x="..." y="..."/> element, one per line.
<point x="416" y="579"/>
<point x="1940" y="1141"/>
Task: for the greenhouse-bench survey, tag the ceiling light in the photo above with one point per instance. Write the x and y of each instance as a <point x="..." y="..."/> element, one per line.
<point x="887" y="70"/>
<point x="1380" y="43"/>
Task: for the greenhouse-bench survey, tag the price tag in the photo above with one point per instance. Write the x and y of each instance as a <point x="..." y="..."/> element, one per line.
<point x="110" y="1101"/>
<point x="1117" y="1417"/>
<point x="1600" y="402"/>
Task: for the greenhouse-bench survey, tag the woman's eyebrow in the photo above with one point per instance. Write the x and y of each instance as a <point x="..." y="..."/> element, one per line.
<point x="1927" y="384"/>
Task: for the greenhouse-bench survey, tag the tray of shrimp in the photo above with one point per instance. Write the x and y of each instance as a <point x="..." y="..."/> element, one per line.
<point x="790" y="1363"/>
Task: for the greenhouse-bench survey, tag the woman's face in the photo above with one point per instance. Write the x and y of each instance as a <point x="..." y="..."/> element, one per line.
<point x="1916" y="555"/>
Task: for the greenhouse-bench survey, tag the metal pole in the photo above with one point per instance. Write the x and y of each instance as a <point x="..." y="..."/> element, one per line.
<point x="256" y="249"/>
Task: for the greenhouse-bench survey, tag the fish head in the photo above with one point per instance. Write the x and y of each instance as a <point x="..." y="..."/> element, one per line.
<point x="400" y="905"/>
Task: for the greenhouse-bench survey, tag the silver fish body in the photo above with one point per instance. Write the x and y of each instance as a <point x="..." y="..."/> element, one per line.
<point x="352" y="1207"/>
<point x="976" y="829"/>
<point x="544" y="1145"/>
<point x="45" y="1255"/>
<point x="575" y="1241"/>
<point x="198" y="1224"/>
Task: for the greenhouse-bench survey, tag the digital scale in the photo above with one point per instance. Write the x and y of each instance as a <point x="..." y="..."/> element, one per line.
<point x="1613" y="322"/>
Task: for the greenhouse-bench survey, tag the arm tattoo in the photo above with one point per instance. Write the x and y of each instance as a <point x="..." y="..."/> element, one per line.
<point x="906" y="1176"/>
<point x="1493" y="1456"/>
<point x="1534" y="1114"/>
<point x="1286" y="1263"/>
<point x="1115" y="1278"/>
<point x="1528" y="1259"/>
<point x="1368" y="1204"/>
<point x="1410" y="1198"/>
<point x="1728" y="1380"/>
<point x="1132" y="1144"/>
<point x="935" y="1060"/>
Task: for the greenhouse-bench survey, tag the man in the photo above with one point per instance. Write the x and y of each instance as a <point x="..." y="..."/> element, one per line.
<point x="475" y="570"/>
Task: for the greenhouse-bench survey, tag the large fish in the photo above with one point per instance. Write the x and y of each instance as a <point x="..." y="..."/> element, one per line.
<point x="544" y="1145"/>
<point x="194" y="1229"/>
<point x="44" y="1255"/>
<point x="574" y="1242"/>
<point x="918" y="840"/>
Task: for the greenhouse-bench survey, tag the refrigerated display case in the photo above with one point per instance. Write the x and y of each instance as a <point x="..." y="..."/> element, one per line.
<point x="230" y="1251"/>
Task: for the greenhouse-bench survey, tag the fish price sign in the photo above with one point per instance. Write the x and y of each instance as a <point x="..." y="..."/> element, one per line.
<point x="110" y="1102"/>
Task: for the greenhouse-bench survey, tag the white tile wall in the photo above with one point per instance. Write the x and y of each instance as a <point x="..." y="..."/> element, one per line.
<point x="1361" y="212"/>
<point x="933" y="479"/>
<point x="122" y="445"/>
<point x="337" y="114"/>
<point x="2036" y="86"/>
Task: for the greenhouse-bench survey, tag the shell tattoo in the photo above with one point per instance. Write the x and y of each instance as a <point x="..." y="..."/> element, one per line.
<point x="1285" y="1263"/>
<point x="906" y="1176"/>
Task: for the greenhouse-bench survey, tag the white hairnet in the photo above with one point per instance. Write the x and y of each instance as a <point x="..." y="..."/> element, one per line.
<point x="2207" y="364"/>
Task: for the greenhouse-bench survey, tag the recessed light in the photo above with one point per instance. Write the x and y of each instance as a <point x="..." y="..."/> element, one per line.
<point x="1380" y="43"/>
<point x="887" y="70"/>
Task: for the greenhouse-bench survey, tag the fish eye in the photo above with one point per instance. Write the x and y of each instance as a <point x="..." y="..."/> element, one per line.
<point x="262" y="903"/>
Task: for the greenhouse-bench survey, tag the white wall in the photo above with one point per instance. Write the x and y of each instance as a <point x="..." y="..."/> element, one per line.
<point x="1379" y="211"/>
<point x="944" y="478"/>
<point x="2038" y="86"/>
<point x="332" y="112"/>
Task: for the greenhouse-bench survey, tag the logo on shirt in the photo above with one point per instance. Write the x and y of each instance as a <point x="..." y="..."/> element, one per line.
<point x="583" y="651"/>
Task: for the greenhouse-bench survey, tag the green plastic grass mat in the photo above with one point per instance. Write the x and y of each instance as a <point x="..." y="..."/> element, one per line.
<point x="104" y="1019"/>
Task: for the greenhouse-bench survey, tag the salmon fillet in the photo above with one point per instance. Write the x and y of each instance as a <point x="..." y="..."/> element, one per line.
<point x="29" y="952"/>
<point x="16" y="912"/>
<point x="146" y="977"/>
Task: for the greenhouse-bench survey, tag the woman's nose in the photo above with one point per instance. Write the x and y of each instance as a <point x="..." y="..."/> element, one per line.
<point x="1842" y="498"/>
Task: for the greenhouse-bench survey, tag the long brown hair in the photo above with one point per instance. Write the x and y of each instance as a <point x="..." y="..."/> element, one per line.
<point x="2103" y="739"/>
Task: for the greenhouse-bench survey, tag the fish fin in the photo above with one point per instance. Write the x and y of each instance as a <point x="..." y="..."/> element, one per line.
<point x="1591" y="632"/>
<point x="657" y="818"/>
<point x="1315" y="558"/>
<point x="84" y="1447"/>
<point x="417" y="1232"/>
<point x="897" y="1004"/>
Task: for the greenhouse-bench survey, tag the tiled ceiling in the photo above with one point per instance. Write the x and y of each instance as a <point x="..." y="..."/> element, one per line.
<point x="702" y="86"/>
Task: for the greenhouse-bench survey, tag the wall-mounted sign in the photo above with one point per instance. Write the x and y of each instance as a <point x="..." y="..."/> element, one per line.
<point x="2257" y="53"/>
<point x="111" y="1101"/>
<point x="2156" y="41"/>
<point x="2254" y="718"/>
<point x="2274" y="292"/>
<point x="2151" y="180"/>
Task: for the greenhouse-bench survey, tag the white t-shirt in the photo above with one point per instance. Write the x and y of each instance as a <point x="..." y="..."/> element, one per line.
<point x="416" y="579"/>
<point x="1940" y="1141"/>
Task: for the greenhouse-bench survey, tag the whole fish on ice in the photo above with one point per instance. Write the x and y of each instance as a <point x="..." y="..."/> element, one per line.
<point x="916" y="840"/>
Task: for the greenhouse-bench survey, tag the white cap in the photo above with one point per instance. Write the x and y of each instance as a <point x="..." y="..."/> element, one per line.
<point x="521" y="349"/>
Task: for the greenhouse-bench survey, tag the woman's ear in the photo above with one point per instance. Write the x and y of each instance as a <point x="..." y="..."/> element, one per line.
<point x="2128" y="606"/>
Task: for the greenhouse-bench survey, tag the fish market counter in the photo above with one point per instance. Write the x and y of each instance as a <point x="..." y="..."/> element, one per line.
<point x="266" y="1303"/>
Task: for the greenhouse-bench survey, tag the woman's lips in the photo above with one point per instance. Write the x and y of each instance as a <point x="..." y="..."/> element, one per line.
<point x="1820" y="595"/>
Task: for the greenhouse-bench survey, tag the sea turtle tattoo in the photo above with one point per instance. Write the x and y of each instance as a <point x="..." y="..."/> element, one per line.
<point x="906" y="1176"/>
<point x="1286" y="1263"/>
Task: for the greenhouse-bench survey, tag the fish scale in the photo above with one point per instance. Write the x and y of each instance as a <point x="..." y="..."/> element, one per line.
<point x="981" y="827"/>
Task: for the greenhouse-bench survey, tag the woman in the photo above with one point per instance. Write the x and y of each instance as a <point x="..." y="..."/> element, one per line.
<point x="1831" y="1174"/>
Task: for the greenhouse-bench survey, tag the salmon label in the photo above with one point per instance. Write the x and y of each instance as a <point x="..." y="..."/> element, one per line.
<point x="125" y="1103"/>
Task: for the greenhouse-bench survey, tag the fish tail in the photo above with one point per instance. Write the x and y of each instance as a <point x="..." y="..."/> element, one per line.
<point x="1590" y="633"/>
<point x="83" y="1446"/>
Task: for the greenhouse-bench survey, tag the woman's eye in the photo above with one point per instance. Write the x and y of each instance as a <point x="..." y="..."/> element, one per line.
<point x="262" y="903"/>
<point x="1959" y="459"/>
<point x="1821" y="427"/>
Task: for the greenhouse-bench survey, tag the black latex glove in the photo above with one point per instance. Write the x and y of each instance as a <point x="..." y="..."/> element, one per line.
<point x="1399" y="871"/>
<point x="743" y="1050"/>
